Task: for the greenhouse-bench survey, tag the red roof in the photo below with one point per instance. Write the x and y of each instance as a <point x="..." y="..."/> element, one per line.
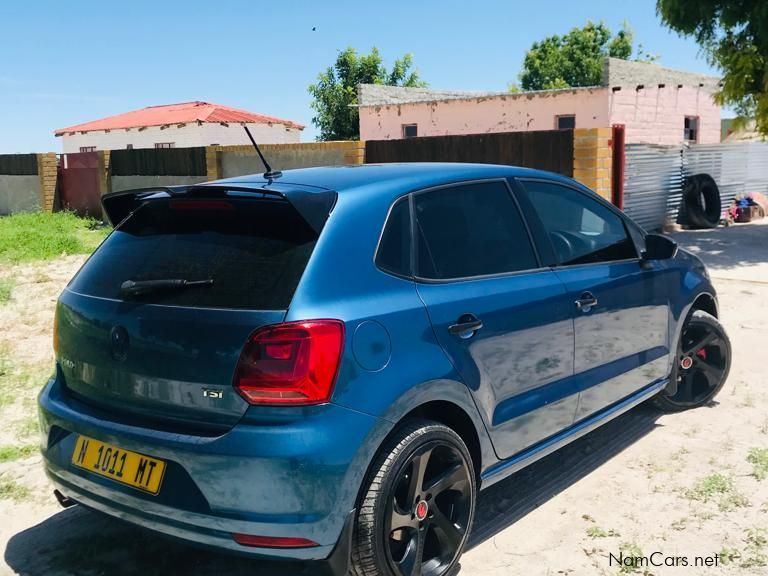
<point x="183" y="113"/>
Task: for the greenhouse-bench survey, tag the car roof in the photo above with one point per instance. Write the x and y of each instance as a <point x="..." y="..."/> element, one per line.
<point x="389" y="178"/>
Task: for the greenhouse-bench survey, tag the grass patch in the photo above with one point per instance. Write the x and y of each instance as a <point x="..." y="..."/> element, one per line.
<point x="729" y="556"/>
<point x="11" y="452"/>
<point x="717" y="488"/>
<point x="758" y="457"/>
<point x="754" y="554"/>
<point x="632" y="556"/>
<point x="597" y="532"/>
<point x="12" y="490"/>
<point x="6" y="286"/>
<point x="31" y="236"/>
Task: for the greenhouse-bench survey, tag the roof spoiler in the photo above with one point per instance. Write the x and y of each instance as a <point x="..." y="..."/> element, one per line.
<point x="314" y="207"/>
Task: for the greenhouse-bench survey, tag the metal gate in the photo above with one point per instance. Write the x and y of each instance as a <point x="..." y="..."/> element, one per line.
<point x="79" y="190"/>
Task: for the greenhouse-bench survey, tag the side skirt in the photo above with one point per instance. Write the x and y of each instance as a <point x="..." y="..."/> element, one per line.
<point x="505" y="468"/>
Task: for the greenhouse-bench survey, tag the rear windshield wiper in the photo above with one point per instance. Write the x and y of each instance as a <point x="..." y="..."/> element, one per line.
<point x="142" y="287"/>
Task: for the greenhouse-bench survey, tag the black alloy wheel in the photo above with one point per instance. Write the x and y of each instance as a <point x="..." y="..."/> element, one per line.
<point x="423" y="500"/>
<point x="702" y="364"/>
<point x="428" y="512"/>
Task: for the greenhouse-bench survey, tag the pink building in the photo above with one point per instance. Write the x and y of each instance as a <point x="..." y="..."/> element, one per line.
<point x="657" y="105"/>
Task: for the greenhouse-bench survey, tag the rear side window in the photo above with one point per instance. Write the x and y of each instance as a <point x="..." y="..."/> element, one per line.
<point x="471" y="230"/>
<point x="580" y="228"/>
<point x="394" y="254"/>
<point x="255" y="251"/>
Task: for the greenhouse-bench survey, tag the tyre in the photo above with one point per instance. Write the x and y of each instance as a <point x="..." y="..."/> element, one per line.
<point x="701" y="366"/>
<point x="701" y="199"/>
<point x="417" y="506"/>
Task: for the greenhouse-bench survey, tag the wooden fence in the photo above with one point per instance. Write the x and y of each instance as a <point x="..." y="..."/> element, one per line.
<point x="547" y="149"/>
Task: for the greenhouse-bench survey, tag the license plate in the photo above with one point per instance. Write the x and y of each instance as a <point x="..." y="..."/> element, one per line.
<point x="123" y="466"/>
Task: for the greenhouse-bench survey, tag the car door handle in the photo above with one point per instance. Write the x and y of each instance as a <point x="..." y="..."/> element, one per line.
<point x="466" y="326"/>
<point x="586" y="302"/>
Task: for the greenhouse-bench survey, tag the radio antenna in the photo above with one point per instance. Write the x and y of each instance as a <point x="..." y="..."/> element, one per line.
<point x="269" y="174"/>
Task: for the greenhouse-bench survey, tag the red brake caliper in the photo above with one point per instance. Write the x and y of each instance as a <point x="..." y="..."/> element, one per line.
<point x="702" y="354"/>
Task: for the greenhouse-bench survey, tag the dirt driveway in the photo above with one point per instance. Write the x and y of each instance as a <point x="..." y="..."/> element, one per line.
<point x="679" y="489"/>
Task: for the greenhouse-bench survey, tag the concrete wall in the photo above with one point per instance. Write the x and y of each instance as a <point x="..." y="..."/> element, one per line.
<point x="655" y="114"/>
<point x="484" y="114"/>
<point x="183" y="136"/>
<point x="226" y="162"/>
<point x="19" y="193"/>
<point x="131" y="182"/>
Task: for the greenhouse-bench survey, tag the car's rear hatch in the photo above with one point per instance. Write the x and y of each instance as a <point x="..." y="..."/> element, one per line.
<point x="166" y="357"/>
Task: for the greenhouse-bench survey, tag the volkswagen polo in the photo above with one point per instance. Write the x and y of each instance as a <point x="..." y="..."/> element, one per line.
<point x="328" y="364"/>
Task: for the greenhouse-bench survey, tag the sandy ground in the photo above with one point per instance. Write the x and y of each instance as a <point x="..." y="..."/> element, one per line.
<point x="626" y="487"/>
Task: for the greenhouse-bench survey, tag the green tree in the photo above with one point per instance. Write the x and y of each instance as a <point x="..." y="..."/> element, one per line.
<point x="335" y="93"/>
<point x="734" y="35"/>
<point x="575" y="59"/>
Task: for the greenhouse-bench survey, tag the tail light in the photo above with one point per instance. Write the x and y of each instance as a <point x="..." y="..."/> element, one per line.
<point x="294" y="363"/>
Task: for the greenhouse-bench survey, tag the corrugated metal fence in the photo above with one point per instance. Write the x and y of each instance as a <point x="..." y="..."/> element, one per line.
<point x="654" y="176"/>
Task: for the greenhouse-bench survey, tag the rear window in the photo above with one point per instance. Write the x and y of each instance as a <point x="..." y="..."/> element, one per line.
<point x="255" y="251"/>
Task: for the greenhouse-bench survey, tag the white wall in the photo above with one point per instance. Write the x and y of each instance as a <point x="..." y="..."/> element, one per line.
<point x="187" y="136"/>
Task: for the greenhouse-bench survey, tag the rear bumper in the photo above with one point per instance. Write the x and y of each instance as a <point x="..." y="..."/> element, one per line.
<point x="292" y="475"/>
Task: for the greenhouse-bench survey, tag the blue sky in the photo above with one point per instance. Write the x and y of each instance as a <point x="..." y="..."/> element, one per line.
<point x="72" y="61"/>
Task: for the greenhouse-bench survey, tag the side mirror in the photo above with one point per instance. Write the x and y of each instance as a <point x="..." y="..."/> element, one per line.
<point x="658" y="247"/>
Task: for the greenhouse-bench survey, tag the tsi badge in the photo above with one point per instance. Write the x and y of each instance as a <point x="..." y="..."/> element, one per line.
<point x="213" y="393"/>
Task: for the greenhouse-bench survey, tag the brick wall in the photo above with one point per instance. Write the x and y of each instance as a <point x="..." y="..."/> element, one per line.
<point x="592" y="159"/>
<point x="46" y="170"/>
<point x="104" y="179"/>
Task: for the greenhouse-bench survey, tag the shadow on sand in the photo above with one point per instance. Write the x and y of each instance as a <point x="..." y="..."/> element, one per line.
<point x="726" y="248"/>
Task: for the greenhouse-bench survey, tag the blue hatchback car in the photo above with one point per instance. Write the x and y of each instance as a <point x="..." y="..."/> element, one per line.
<point x="327" y="365"/>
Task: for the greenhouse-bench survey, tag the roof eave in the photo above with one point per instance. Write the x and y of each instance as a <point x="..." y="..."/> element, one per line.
<point x="65" y="131"/>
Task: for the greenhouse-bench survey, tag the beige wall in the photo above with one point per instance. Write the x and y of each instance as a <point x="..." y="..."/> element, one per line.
<point x="229" y="161"/>
<point x="498" y="113"/>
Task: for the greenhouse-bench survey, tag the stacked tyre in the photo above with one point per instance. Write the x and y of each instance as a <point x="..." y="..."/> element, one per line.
<point x="701" y="202"/>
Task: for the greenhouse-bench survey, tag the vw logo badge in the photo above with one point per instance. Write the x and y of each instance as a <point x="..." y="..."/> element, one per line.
<point x="118" y="343"/>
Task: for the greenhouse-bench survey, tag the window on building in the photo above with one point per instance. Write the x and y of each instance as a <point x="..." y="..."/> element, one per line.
<point x="165" y="144"/>
<point x="470" y="230"/>
<point x="565" y="122"/>
<point x="87" y="148"/>
<point x="129" y="146"/>
<point x="410" y="130"/>
<point x="691" y="129"/>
